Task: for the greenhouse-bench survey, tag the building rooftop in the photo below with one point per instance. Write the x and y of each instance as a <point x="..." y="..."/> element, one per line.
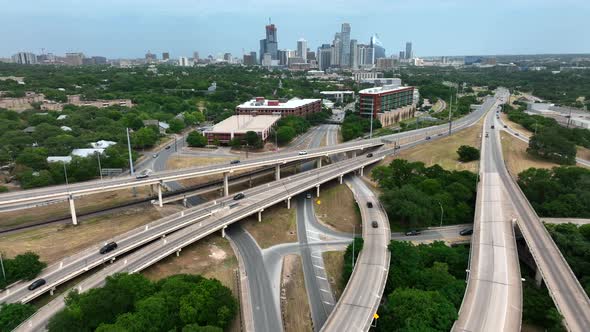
<point x="244" y="123"/>
<point x="85" y="152"/>
<point x="258" y="103"/>
<point x="382" y="89"/>
<point x="102" y="144"/>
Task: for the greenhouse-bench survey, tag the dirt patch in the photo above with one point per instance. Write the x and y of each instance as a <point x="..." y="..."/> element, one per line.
<point x="57" y="241"/>
<point x="334" y="263"/>
<point x="444" y="151"/>
<point x="294" y="304"/>
<point x="516" y="157"/>
<point x="337" y="208"/>
<point x="278" y="225"/>
<point x="211" y="257"/>
<point x="583" y="153"/>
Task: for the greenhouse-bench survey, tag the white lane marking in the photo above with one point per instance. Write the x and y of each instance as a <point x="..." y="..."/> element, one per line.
<point x="319" y="267"/>
<point x="321" y="278"/>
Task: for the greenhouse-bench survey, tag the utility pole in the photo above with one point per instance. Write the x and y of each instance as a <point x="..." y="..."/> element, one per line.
<point x="353" y="231"/>
<point x="2" y="264"/>
<point x="442" y="213"/>
<point x="371" y="130"/>
<point x="99" y="167"/>
<point x="451" y="114"/>
<point x="130" y="160"/>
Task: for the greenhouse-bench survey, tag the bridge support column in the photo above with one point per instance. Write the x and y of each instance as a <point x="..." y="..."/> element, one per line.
<point x="51" y="291"/>
<point x="340" y="177"/>
<point x="353" y="153"/>
<point x="160" y="204"/>
<point x="226" y="184"/>
<point x="223" y="231"/>
<point x="184" y="202"/>
<point x="288" y="202"/>
<point x="362" y="171"/>
<point x="260" y="215"/>
<point x="178" y="252"/>
<point x="317" y="190"/>
<point x="73" y="210"/>
<point x="319" y="164"/>
<point x="277" y="172"/>
<point x="538" y="278"/>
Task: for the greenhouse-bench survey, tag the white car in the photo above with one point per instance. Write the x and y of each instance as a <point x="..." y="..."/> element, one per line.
<point x="301" y="153"/>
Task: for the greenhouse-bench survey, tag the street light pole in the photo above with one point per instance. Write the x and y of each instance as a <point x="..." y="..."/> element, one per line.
<point x="442" y="212"/>
<point x="65" y="174"/>
<point x="130" y="157"/>
<point x="353" y="234"/>
<point x="2" y="264"/>
<point x="99" y="167"/>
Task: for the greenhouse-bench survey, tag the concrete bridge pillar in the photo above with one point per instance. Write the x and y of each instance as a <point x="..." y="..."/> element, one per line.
<point x="538" y="277"/>
<point x="340" y="178"/>
<point x="353" y="154"/>
<point x="317" y="190"/>
<point x="226" y="184"/>
<point x="159" y="185"/>
<point x="362" y="171"/>
<point x="319" y="164"/>
<point x="260" y="215"/>
<point x="184" y="202"/>
<point x="73" y="210"/>
<point x="223" y="231"/>
<point x="288" y="202"/>
<point x="277" y="172"/>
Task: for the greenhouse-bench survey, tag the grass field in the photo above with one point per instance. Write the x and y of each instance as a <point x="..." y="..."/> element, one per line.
<point x="337" y="208"/>
<point x="294" y="305"/>
<point x="54" y="242"/>
<point x="444" y="151"/>
<point x="333" y="263"/>
<point x="516" y="157"/>
<point x="278" y="225"/>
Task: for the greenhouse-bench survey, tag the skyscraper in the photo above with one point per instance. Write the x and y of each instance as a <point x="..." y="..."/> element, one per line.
<point x="365" y="55"/>
<point x="24" y="58"/>
<point x="409" y="53"/>
<point x="269" y="44"/>
<point x="337" y="50"/>
<point x="402" y="55"/>
<point x="165" y="56"/>
<point x="302" y="49"/>
<point x="378" y="49"/>
<point x="345" y="45"/>
<point x="195" y="56"/>
<point x="325" y="56"/>
<point x="353" y="54"/>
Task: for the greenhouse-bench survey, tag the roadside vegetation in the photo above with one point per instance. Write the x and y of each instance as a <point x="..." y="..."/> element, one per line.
<point x="415" y="195"/>
<point x="348" y="267"/>
<point x="131" y="302"/>
<point x="468" y="153"/>
<point x="22" y="267"/>
<point x="355" y="126"/>
<point x="12" y="314"/>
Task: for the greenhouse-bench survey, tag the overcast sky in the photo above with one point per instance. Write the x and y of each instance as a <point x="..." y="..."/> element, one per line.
<point x="129" y="28"/>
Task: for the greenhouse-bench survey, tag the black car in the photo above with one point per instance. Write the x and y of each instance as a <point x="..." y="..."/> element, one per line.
<point x="369" y="204"/>
<point x="492" y="127"/>
<point x="108" y="248"/>
<point x="168" y="147"/>
<point x="505" y="126"/>
<point x="427" y="138"/>
<point x="466" y="231"/>
<point x="239" y="196"/>
<point x="36" y="284"/>
<point x="369" y="155"/>
<point x="234" y="162"/>
<point x="374" y="224"/>
<point x="413" y="232"/>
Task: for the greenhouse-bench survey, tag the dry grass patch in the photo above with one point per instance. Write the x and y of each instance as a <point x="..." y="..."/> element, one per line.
<point x="337" y="208"/>
<point x="334" y="263"/>
<point x="294" y="305"/>
<point x="443" y="151"/>
<point x="516" y="157"/>
<point x="57" y="241"/>
<point x="583" y="153"/>
<point x="278" y="225"/>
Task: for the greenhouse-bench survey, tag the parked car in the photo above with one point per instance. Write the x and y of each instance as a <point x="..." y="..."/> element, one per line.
<point x="369" y="155"/>
<point x="36" y="284"/>
<point x="239" y="196"/>
<point x="466" y="231"/>
<point x="301" y="153"/>
<point x="141" y="176"/>
<point x="168" y="147"/>
<point x="108" y="248"/>
<point x="413" y="232"/>
<point x="233" y="162"/>
<point x="370" y="205"/>
<point x="374" y="224"/>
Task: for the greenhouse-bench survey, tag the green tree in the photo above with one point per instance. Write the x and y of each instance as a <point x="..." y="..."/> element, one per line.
<point x="468" y="153"/>
<point x="176" y="125"/>
<point x="549" y="144"/>
<point x="253" y="139"/>
<point x="35" y="158"/>
<point x="209" y="304"/>
<point x="285" y="134"/>
<point x="145" y="137"/>
<point x="196" y="139"/>
<point x="12" y="314"/>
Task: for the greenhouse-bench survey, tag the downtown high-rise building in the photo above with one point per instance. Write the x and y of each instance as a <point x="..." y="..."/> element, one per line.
<point x="336" y="50"/>
<point x="24" y="58"/>
<point x="378" y="49"/>
<point x="345" y="45"/>
<point x="409" y="53"/>
<point x="365" y="55"/>
<point x="353" y="54"/>
<point x="325" y="56"/>
<point x="302" y="49"/>
<point x="269" y="44"/>
<point x="165" y="56"/>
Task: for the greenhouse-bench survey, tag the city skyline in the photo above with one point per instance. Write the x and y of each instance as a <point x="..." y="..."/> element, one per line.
<point x="182" y="27"/>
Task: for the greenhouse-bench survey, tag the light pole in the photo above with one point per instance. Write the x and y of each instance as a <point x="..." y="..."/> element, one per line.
<point x="353" y="234"/>
<point x="130" y="160"/>
<point x="442" y="212"/>
<point x="2" y="264"/>
<point x="65" y="174"/>
<point x="99" y="167"/>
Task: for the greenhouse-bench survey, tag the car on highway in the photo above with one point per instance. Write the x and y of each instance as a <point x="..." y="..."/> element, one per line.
<point x="155" y="155"/>
<point x="487" y="135"/>
<point x="505" y="126"/>
<point x="428" y="138"/>
<point x="36" y="284"/>
<point x="492" y="127"/>
<point x="301" y="153"/>
<point x="308" y="196"/>
<point x="168" y="147"/>
<point x="239" y="196"/>
<point x="370" y="205"/>
<point x="141" y="176"/>
<point x="413" y="232"/>
<point x="374" y="224"/>
<point x="466" y="231"/>
<point x="369" y="155"/>
<point x="108" y="248"/>
<point x="440" y="134"/>
<point x="233" y="162"/>
<point x="516" y="134"/>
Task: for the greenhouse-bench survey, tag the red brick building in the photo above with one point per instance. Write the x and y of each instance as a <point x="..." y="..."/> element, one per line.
<point x="295" y="106"/>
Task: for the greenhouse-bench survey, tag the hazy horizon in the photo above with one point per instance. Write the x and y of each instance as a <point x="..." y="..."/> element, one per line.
<point x="129" y="28"/>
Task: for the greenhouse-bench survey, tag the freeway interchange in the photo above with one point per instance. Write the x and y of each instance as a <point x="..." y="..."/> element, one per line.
<point x="492" y="304"/>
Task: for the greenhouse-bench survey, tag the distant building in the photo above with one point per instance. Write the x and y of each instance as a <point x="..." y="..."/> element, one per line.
<point x="345" y="45"/>
<point x="195" y="56"/>
<point x="74" y="59"/>
<point x="402" y="55"/>
<point x="295" y="106"/>
<point x="150" y="57"/>
<point x="237" y="126"/>
<point x="377" y="46"/>
<point x="380" y="81"/>
<point x="99" y="60"/>
<point x="165" y="56"/>
<point x="354" y="54"/>
<point x="249" y="59"/>
<point x="77" y="101"/>
<point x="311" y="56"/>
<point x="324" y="57"/>
<point x="302" y="49"/>
<point x="269" y="45"/>
<point x="183" y="61"/>
<point x="227" y="57"/>
<point x="409" y="52"/>
<point x="25" y="58"/>
<point x="365" y="56"/>
<point x="360" y="75"/>
<point x="387" y="104"/>
<point x="385" y="63"/>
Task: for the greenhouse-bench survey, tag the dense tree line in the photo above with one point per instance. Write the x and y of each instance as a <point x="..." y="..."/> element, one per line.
<point x="12" y="314"/>
<point x="538" y="308"/>
<point x="355" y="126"/>
<point x="348" y="259"/>
<point x="22" y="267"/>
<point x="560" y="192"/>
<point x="468" y="153"/>
<point x="134" y="303"/>
<point x="425" y="287"/>
<point x="412" y="193"/>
